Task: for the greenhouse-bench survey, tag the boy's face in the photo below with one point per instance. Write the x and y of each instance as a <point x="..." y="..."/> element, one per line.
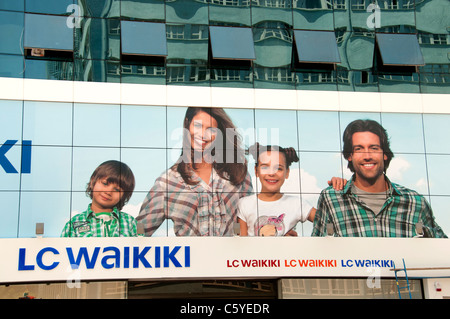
<point x="272" y="171"/>
<point x="105" y="196"/>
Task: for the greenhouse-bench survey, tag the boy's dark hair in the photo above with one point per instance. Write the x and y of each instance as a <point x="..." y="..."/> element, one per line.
<point x="289" y="153"/>
<point x="366" y="126"/>
<point x="115" y="172"/>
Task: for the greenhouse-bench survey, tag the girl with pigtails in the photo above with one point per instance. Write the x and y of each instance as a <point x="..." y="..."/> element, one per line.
<point x="272" y="213"/>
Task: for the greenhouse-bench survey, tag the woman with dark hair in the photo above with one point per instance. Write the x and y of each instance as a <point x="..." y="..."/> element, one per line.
<point x="200" y="192"/>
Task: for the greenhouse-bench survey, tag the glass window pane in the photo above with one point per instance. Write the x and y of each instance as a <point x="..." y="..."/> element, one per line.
<point x="232" y="43"/>
<point x="11" y="28"/>
<point x="276" y="127"/>
<point x="143" y="9"/>
<point x="47" y="123"/>
<point x="439" y="174"/>
<point x="143" y="126"/>
<point x="144" y="38"/>
<point x="50" y="208"/>
<point x="409" y="170"/>
<point x="399" y="49"/>
<point x="96" y="125"/>
<point x="10" y="205"/>
<point x="316" y="46"/>
<point x="436" y="126"/>
<point x="440" y="206"/>
<point x="237" y="12"/>
<point x="319" y="131"/>
<point x="98" y="39"/>
<point x="48" y="69"/>
<point x="48" y="6"/>
<point x="11" y="5"/>
<point x="187" y="11"/>
<point x="402" y="140"/>
<point x="10" y="121"/>
<point x="11" y="66"/>
<point x="50" y="169"/>
<point x="99" y="8"/>
<point x="48" y="32"/>
<point x="85" y="161"/>
<point x="10" y="165"/>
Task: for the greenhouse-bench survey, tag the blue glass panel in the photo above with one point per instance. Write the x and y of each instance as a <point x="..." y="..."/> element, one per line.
<point x="48" y="6"/>
<point x="135" y="129"/>
<point x="143" y="9"/>
<point x="232" y="43"/>
<point x="10" y="206"/>
<point x="88" y="131"/>
<point x="11" y="28"/>
<point x="144" y="38"/>
<point x="47" y="69"/>
<point x="48" y="123"/>
<point x="11" y="5"/>
<point x="50" y="169"/>
<point x="48" y="32"/>
<point x="50" y="208"/>
<point x="11" y="66"/>
<point x="85" y="161"/>
<point x="316" y="46"/>
<point x="399" y="49"/>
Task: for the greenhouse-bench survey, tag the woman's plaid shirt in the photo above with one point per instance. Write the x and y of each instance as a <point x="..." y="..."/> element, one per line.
<point x="350" y="217"/>
<point x="196" y="210"/>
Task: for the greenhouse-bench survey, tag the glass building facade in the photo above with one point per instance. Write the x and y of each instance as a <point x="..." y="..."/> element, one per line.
<point x="50" y="148"/>
<point x="92" y="41"/>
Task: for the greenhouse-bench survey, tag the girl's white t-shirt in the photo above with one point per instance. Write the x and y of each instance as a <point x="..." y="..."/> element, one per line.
<point x="274" y="218"/>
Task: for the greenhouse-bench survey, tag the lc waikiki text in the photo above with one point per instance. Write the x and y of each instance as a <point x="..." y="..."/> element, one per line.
<point x="49" y="258"/>
<point x="311" y="263"/>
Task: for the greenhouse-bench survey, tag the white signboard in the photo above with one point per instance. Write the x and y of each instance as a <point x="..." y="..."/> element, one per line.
<point x="75" y="259"/>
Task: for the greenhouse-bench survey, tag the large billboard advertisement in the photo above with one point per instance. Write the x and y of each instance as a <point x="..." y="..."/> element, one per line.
<point x="191" y="171"/>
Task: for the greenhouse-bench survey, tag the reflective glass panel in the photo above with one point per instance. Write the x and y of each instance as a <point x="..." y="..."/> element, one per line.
<point x="96" y="125"/>
<point x="399" y="49"/>
<point x="404" y="140"/>
<point x="11" y="66"/>
<point x="436" y="131"/>
<point x="319" y="131"/>
<point x="85" y="161"/>
<point x="48" y="6"/>
<point x="143" y="126"/>
<point x="316" y="46"/>
<point x="50" y="208"/>
<point x="11" y="28"/>
<point x="48" y="69"/>
<point x="47" y="32"/>
<point x="50" y="169"/>
<point x="232" y="43"/>
<point x="48" y="123"/>
<point x="143" y="9"/>
<point x="439" y="174"/>
<point x="98" y="39"/>
<point x="11" y="5"/>
<point x="10" y="205"/>
<point x="143" y="38"/>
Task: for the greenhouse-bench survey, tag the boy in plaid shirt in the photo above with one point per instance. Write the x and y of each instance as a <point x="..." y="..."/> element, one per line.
<point x="110" y="187"/>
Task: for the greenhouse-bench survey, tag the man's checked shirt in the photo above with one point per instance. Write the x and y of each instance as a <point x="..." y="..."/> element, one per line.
<point x="196" y="210"/>
<point x="351" y="217"/>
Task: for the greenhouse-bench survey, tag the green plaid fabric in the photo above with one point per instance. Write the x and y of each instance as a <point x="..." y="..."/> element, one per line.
<point x="350" y="217"/>
<point x="87" y="224"/>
